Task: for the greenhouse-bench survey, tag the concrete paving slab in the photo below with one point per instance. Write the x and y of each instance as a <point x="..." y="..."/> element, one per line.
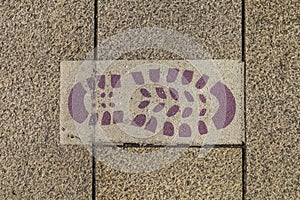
<point x="216" y="176"/>
<point x="273" y="109"/>
<point x="217" y="28"/>
<point x="35" y="37"/>
<point x="215" y="25"/>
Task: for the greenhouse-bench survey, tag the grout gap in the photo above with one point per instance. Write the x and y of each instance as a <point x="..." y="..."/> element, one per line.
<point x="93" y="136"/>
<point x="244" y="154"/>
<point x="137" y="145"/>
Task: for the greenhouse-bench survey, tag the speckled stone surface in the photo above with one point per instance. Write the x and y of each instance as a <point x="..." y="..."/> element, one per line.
<point x="34" y="38"/>
<point x="273" y="109"/>
<point x="217" y="28"/>
<point x="215" y="25"/>
<point x="216" y="176"/>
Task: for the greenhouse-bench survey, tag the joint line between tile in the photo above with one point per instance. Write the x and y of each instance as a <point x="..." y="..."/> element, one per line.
<point x="93" y="136"/>
<point x="244" y="154"/>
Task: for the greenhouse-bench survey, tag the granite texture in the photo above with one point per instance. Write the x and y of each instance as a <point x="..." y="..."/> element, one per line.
<point x="273" y="109"/>
<point x="215" y="25"/>
<point x="35" y="37"/>
<point x="216" y="176"/>
<point x="217" y="28"/>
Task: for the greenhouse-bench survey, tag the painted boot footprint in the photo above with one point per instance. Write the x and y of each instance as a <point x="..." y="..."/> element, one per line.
<point x="221" y="118"/>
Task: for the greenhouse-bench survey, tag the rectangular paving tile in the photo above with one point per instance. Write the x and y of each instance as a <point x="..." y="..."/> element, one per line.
<point x="215" y="25"/>
<point x="35" y="38"/>
<point x="199" y="107"/>
<point x="218" y="175"/>
<point x="273" y="109"/>
<point x="217" y="28"/>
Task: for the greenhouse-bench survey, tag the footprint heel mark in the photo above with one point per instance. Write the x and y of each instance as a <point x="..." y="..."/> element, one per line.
<point x="107" y="118"/>
<point x="76" y="105"/>
<point x="227" y="105"/>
